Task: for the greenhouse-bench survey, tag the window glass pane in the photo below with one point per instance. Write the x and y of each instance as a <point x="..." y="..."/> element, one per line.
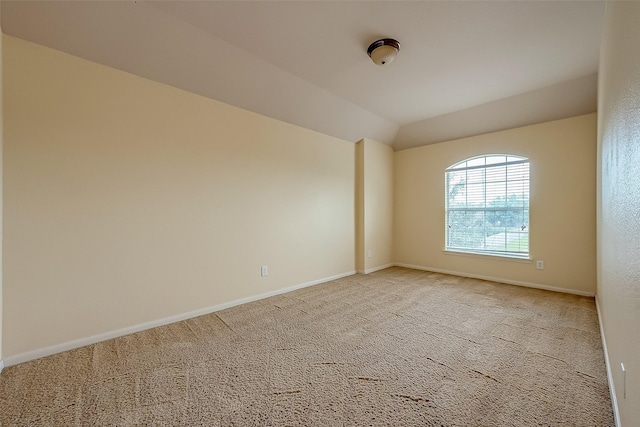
<point x="475" y="195"/>
<point x="525" y="196"/>
<point x="474" y="235"/>
<point x="476" y="162"/>
<point x="495" y="221"/>
<point x="496" y="192"/>
<point x="516" y="242"/>
<point x="457" y="228"/>
<point x="496" y="159"/>
<point x="459" y="165"/>
<point x="496" y="239"/>
<point x="518" y="171"/>
<point x="475" y="176"/>
<point x="496" y="173"/>
<point x="456" y="177"/>
<point x="524" y="220"/>
<point x="457" y="193"/>
<point x="516" y="196"/>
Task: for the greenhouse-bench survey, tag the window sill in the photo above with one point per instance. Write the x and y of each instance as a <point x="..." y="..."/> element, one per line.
<point x="526" y="260"/>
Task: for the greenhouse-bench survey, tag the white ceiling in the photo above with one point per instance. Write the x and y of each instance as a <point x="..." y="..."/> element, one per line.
<point x="306" y="63"/>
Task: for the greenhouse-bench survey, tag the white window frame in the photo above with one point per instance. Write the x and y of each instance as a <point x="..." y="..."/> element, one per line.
<point x="471" y="235"/>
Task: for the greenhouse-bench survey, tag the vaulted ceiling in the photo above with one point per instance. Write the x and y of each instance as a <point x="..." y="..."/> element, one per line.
<point x="464" y="67"/>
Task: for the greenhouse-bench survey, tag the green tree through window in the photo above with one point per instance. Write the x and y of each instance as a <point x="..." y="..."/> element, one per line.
<point x="487" y="206"/>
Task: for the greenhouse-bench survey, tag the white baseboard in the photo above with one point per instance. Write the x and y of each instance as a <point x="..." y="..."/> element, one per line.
<point x="614" y="399"/>
<point x="70" y="345"/>
<point x="374" y="269"/>
<point x="1" y="365"/>
<point x="499" y="280"/>
<point x="381" y="267"/>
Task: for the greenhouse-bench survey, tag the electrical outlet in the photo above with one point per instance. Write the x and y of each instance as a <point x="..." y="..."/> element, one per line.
<point x="369" y="253"/>
<point x="264" y="270"/>
<point x="540" y="264"/>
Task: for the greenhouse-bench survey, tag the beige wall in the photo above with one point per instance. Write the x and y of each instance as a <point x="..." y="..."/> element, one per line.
<point x="1" y="198"/>
<point x="619" y="202"/>
<point x="359" y="208"/>
<point x="127" y="201"/>
<point x="375" y="206"/>
<point x="563" y="165"/>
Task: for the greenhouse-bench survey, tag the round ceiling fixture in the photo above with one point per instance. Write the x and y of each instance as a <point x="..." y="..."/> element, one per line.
<point x="383" y="51"/>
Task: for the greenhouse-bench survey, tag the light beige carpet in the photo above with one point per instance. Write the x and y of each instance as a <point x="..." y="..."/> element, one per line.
<point x="398" y="347"/>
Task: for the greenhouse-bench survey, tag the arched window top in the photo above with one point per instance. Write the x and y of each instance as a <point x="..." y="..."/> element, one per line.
<point x="487" y="206"/>
<point x="488" y="160"/>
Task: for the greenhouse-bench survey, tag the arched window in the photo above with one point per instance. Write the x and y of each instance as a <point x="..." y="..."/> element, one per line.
<point x="487" y="206"/>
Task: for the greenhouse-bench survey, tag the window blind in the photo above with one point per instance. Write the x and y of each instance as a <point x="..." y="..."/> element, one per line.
<point x="487" y="206"/>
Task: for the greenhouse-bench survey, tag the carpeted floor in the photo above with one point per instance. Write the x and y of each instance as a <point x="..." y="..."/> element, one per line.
<point x="398" y="347"/>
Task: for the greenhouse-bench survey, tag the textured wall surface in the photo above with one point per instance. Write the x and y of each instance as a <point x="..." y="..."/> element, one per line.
<point x="619" y="201"/>
<point x="1" y="198"/>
